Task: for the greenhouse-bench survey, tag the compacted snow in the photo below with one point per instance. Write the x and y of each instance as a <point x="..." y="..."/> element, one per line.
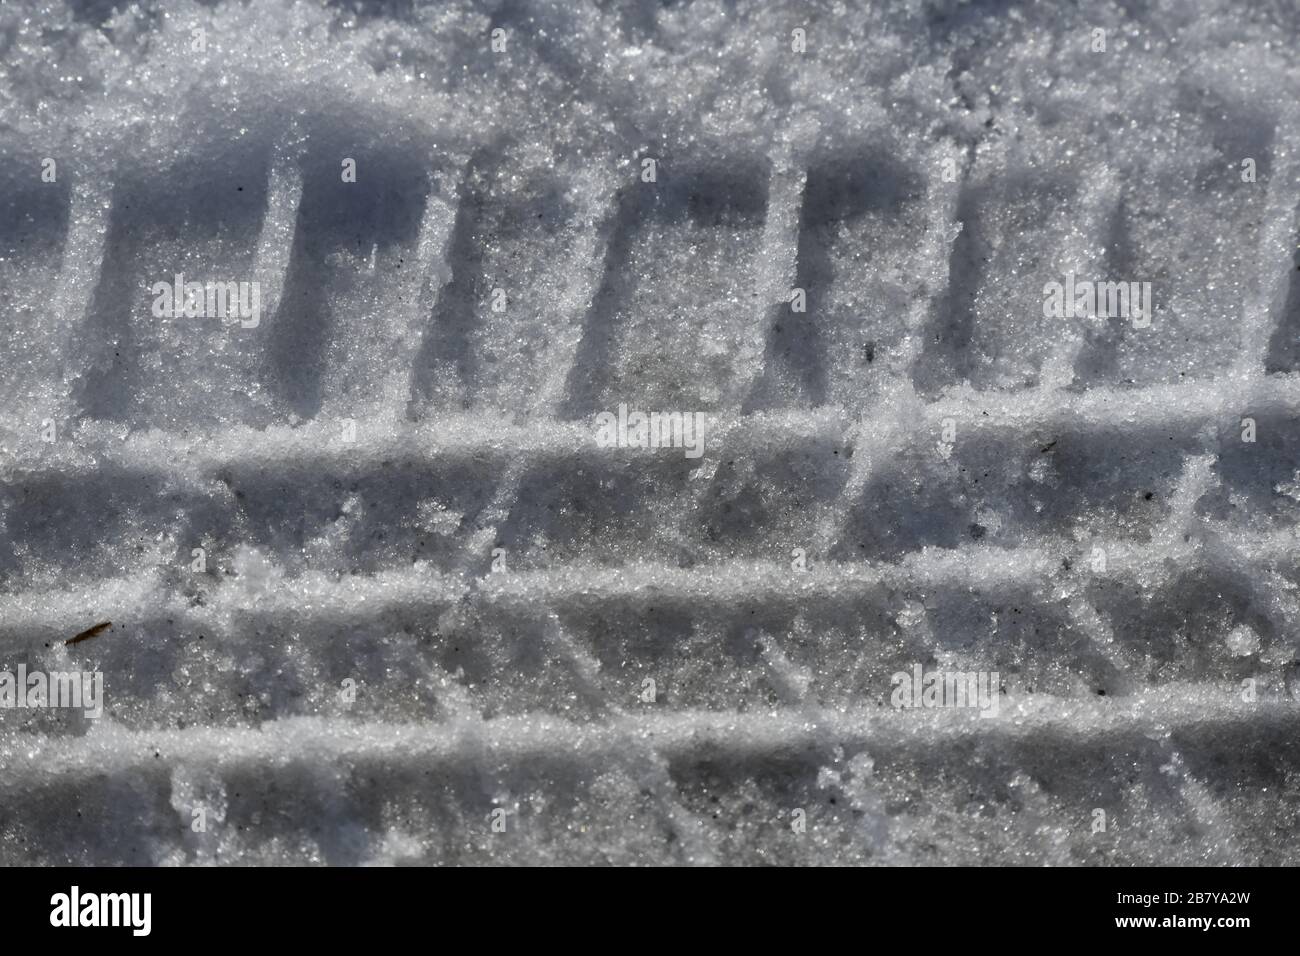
<point x="329" y="340"/>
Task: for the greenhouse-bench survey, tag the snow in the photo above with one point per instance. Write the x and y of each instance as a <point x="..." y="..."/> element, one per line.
<point x="381" y="594"/>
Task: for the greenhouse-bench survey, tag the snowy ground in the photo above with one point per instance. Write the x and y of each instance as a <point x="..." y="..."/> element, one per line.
<point x="380" y="594"/>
